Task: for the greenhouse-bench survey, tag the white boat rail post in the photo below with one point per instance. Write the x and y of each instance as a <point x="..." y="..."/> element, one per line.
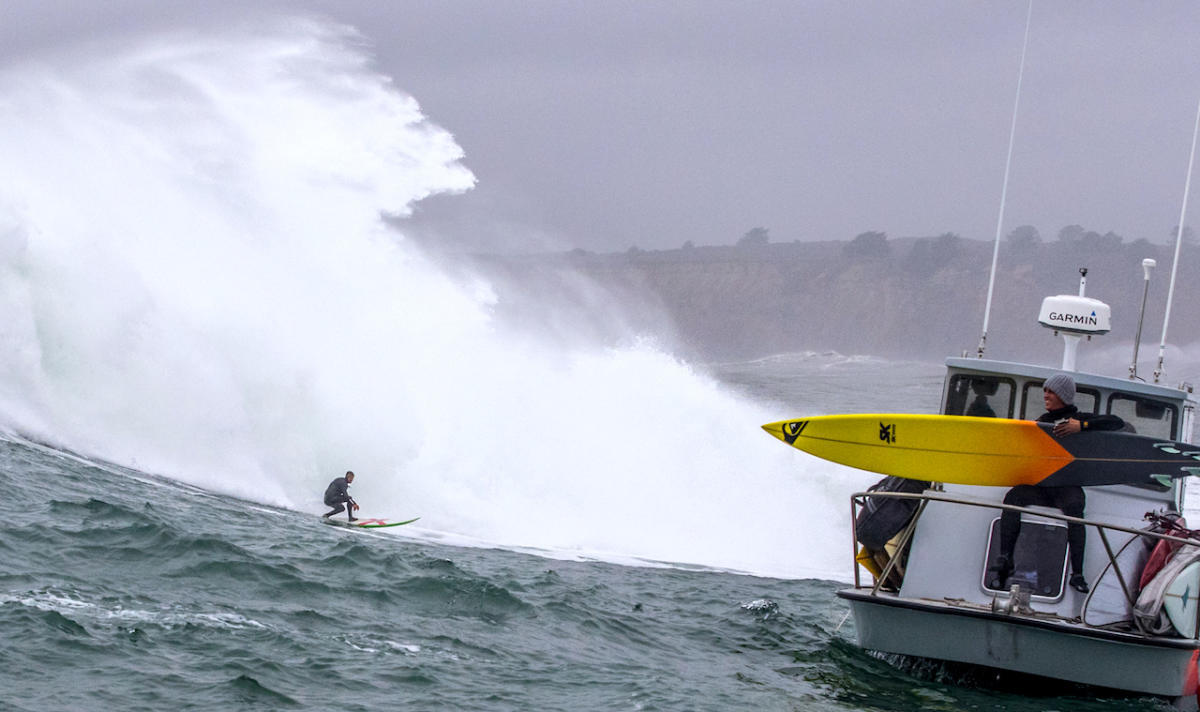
<point x="1147" y="265"/>
<point x="1184" y="434"/>
<point x="1012" y="135"/>
<point x="1187" y="185"/>
<point x="854" y="539"/>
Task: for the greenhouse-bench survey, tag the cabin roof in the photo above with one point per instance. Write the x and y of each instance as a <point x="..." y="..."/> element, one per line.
<point x="1108" y="383"/>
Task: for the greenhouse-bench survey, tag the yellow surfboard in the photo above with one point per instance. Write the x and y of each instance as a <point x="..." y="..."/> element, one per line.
<point x="984" y="451"/>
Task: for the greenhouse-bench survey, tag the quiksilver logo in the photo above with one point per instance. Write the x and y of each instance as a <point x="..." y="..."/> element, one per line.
<point x="792" y="430"/>
<point x="887" y="433"/>
<point x="1074" y="318"/>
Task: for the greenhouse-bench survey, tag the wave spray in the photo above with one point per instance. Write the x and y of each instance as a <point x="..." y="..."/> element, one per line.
<point x="196" y="280"/>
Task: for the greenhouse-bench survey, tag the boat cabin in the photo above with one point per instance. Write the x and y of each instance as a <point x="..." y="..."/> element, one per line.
<point x="933" y="599"/>
<point x="1014" y="390"/>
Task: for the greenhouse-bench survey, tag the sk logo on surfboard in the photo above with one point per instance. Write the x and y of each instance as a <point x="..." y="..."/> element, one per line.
<point x="792" y="430"/>
<point x="887" y="433"/>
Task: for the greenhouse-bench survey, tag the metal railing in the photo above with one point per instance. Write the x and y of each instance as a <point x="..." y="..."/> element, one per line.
<point x="858" y="499"/>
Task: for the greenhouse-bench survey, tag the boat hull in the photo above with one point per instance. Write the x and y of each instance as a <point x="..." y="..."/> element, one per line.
<point x="1060" y="650"/>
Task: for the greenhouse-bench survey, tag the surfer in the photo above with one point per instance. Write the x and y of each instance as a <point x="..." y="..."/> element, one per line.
<point x="338" y="497"/>
<point x="1058" y="395"/>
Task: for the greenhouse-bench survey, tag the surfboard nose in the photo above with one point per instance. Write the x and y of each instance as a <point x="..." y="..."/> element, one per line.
<point x="775" y="429"/>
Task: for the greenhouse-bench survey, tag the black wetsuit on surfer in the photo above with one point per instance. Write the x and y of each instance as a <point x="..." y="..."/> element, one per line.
<point x="337" y="495"/>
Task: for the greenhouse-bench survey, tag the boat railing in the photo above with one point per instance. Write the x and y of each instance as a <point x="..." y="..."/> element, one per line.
<point x="858" y="499"/>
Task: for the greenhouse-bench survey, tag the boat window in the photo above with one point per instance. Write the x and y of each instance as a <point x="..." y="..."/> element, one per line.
<point x="980" y="396"/>
<point x="1039" y="559"/>
<point x="1032" y="405"/>
<point x="1146" y="415"/>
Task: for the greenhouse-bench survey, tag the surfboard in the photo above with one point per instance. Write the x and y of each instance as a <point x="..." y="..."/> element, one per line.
<point x="986" y="451"/>
<point x="1179" y="599"/>
<point x="370" y="523"/>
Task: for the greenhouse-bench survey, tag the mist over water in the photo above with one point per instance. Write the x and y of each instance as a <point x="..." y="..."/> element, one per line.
<point x="196" y="281"/>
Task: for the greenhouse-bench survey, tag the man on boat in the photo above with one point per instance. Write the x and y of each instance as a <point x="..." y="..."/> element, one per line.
<point x="337" y="495"/>
<point x="1058" y="395"/>
<point x="980" y="407"/>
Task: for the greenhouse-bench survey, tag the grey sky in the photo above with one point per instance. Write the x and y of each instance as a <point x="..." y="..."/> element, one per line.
<point x="603" y="125"/>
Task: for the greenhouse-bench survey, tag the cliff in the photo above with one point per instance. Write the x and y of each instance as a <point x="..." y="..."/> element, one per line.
<point x="921" y="298"/>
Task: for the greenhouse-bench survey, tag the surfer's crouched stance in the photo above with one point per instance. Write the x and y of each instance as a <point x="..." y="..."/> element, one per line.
<point x="338" y="497"/>
<point x="1058" y="395"/>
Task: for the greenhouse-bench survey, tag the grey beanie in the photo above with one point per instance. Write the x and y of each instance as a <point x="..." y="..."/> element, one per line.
<point x="1063" y="386"/>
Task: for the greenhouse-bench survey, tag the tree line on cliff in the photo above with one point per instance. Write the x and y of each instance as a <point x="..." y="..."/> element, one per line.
<point x="917" y="297"/>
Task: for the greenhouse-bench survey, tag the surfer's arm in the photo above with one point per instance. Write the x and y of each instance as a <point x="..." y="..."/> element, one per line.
<point x="1101" y="422"/>
<point x="1089" y="422"/>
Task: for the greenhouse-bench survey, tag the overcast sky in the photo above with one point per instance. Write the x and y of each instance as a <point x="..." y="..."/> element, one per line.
<point x="608" y="124"/>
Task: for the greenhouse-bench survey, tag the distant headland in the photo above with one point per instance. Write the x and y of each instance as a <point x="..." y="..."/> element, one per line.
<point x="919" y="297"/>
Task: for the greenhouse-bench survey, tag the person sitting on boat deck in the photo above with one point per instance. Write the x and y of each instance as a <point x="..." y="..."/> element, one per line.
<point x="1058" y="395"/>
<point x="338" y="497"/>
<point x="980" y="408"/>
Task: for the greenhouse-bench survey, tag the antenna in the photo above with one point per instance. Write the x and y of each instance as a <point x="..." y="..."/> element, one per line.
<point x="1012" y="135"/>
<point x="1147" y="265"/>
<point x="1187" y="185"/>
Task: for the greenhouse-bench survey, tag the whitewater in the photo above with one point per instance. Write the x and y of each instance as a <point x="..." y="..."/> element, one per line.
<point x="202" y="279"/>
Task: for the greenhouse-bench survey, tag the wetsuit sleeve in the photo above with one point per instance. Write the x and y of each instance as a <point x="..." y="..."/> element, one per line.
<point x="1092" y="421"/>
<point x="1087" y="421"/>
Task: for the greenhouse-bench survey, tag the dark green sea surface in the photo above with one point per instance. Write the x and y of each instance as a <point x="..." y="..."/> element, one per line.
<point x="119" y="591"/>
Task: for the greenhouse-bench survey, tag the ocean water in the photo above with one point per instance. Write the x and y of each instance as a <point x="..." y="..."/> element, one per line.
<point x="206" y="319"/>
<point x="125" y="591"/>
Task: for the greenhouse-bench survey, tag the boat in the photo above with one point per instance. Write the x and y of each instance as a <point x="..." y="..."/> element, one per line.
<point x="930" y="592"/>
<point x="933" y="599"/>
<point x="927" y="594"/>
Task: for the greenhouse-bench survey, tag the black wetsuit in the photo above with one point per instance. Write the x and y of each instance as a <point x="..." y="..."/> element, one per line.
<point x="338" y="496"/>
<point x="980" y="408"/>
<point x="1070" y="500"/>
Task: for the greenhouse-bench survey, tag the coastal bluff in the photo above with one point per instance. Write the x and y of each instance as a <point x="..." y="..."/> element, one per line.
<point x="907" y="297"/>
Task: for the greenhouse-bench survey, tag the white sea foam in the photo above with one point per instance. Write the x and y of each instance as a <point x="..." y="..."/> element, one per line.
<point x="89" y="611"/>
<point x="195" y="278"/>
